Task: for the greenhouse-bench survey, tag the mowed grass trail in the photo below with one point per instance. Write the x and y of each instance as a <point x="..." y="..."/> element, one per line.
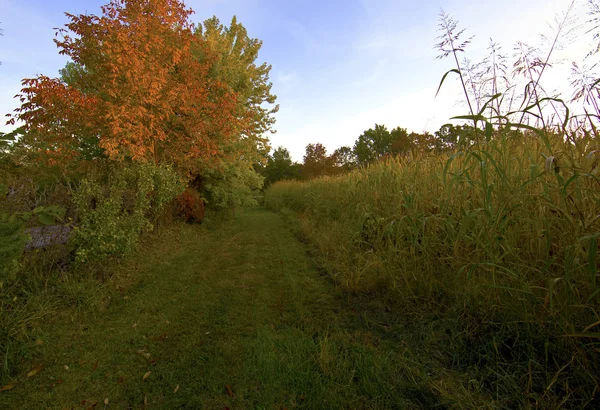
<point x="233" y="317"/>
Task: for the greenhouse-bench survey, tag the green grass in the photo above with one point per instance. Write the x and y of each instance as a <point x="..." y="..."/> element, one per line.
<point x="235" y="316"/>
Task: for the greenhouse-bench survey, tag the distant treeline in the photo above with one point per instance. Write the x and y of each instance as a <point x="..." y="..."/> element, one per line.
<point x="374" y="144"/>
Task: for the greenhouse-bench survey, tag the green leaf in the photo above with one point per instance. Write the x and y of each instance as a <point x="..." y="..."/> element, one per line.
<point x="46" y="219"/>
<point x="465" y="225"/>
<point x="448" y="164"/>
<point x="57" y="211"/>
<point x="477" y="117"/>
<point x="489" y="129"/>
<point x="537" y="104"/>
<point x="454" y="70"/>
<point x="494" y="97"/>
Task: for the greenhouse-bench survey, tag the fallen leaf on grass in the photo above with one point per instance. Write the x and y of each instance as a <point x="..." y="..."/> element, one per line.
<point x="120" y="380"/>
<point x="34" y="371"/>
<point x="161" y="338"/>
<point x="59" y="381"/>
<point x="89" y="405"/>
<point x="176" y="389"/>
<point x="12" y="386"/>
<point x="146" y="375"/>
<point x="143" y="354"/>
<point x="106" y="401"/>
<point x="95" y="364"/>
<point x="39" y="342"/>
<point x="229" y="391"/>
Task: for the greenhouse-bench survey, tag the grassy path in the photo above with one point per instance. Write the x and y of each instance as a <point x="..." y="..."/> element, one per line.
<point x="236" y="317"/>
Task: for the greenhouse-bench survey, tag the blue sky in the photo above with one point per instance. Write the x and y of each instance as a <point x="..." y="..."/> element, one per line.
<point x="339" y="67"/>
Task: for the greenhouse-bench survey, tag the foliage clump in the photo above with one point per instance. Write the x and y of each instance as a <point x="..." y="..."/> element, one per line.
<point x="12" y="245"/>
<point x="191" y="205"/>
<point x="114" y="212"/>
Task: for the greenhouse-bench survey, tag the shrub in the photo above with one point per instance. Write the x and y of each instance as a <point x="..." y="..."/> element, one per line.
<point x="233" y="186"/>
<point x="113" y="213"/>
<point x="191" y="205"/>
<point x="12" y="245"/>
<point x="13" y="238"/>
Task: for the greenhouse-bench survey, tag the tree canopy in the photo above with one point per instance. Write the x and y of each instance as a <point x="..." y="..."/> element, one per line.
<point x="280" y="167"/>
<point x="145" y="84"/>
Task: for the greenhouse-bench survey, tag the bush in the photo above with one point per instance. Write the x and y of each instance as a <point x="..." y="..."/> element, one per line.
<point x="233" y="186"/>
<point x="13" y="238"/>
<point x="191" y="205"/>
<point x="12" y="245"/>
<point x="113" y="213"/>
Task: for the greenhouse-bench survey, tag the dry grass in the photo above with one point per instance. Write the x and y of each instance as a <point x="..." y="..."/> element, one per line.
<point x="501" y="240"/>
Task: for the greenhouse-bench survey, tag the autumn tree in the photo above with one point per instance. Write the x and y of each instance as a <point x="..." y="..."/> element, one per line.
<point x="235" y="64"/>
<point x="135" y="87"/>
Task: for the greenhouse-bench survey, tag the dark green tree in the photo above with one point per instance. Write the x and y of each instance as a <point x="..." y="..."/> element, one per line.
<point x="373" y="144"/>
<point x="344" y="159"/>
<point x="280" y="167"/>
<point x="451" y="136"/>
<point x="316" y="162"/>
<point x="401" y="141"/>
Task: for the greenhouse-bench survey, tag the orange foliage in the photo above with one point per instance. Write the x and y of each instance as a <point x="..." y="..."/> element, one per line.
<point x="56" y="114"/>
<point x="191" y="205"/>
<point x="143" y="94"/>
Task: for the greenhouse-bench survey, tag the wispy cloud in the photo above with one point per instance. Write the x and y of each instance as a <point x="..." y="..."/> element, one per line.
<point x="339" y="66"/>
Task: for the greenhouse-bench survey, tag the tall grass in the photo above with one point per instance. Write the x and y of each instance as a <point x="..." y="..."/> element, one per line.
<point x="498" y="237"/>
<point x="503" y="239"/>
